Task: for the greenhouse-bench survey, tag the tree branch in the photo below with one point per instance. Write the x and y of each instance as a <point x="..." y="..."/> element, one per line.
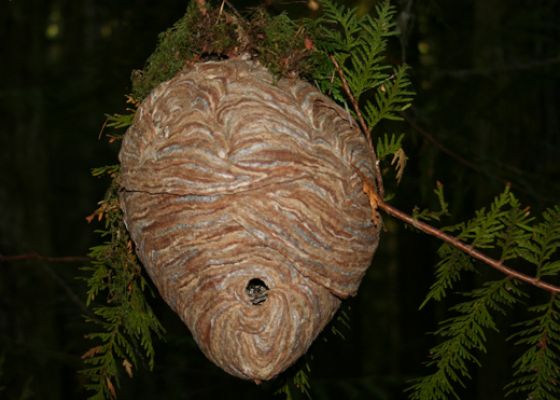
<point x="366" y="131"/>
<point x="65" y="259"/>
<point x="376" y="200"/>
<point x="502" y="176"/>
<point x="430" y="138"/>
<point x="471" y="251"/>
<point x="70" y="293"/>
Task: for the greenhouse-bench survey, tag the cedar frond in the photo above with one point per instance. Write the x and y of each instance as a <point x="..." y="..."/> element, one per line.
<point x="125" y="323"/>
<point x="464" y="338"/>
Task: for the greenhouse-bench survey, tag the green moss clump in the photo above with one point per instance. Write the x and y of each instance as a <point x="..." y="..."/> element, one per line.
<point x="283" y="45"/>
<point x="188" y="40"/>
<point x="278" y="42"/>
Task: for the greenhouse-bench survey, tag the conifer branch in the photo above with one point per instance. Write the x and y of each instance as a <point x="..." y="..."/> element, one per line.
<point x="70" y="293"/>
<point x="453" y="241"/>
<point x="422" y="226"/>
<point x="55" y="260"/>
<point x="363" y="126"/>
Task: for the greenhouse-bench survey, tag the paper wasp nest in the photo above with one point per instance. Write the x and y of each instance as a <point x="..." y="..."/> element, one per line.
<point x="242" y="196"/>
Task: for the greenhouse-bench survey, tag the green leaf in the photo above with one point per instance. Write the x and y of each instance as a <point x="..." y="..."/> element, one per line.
<point x="388" y="145"/>
<point x="502" y="226"/>
<point x="125" y="324"/>
<point x="463" y="339"/>
<point x="358" y="43"/>
<point x="537" y="370"/>
<point x="119" y="121"/>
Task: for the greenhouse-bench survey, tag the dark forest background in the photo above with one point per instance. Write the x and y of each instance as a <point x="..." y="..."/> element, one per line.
<point x="487" y="113"/>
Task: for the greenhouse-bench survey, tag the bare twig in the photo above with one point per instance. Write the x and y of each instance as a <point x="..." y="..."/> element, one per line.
<point x="46" y="259"/>
<point x="438" y="144"/>
<point x="523" y="186"/>
<point x="70" y="293"/>
<point x="38" y="257"/>
<point x="366" y="131"/>
<point x="102" y="129"/>
<point x="471" y="251"/>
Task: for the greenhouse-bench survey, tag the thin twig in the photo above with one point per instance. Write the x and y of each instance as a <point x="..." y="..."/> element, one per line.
<point x="221" y="10"/>
<point x="439" y="145"/>
<point x="102" y="129"/>
<point x="70" y="293"/>
<point x="353" y="100"/>
<point x="233" y="9"/>
<point x="65" y="259"/>
<point x="38" y="257"/>
<point x="524" y="186"/>
<point x="363" y="126"/>
<point x="471" y="251"/>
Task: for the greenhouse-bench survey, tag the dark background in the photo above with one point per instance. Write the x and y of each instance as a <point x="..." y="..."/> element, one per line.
<point x="486" y="73"/>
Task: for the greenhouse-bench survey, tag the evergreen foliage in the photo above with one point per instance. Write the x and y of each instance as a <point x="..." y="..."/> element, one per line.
<point x="504" y="221"/>
<point x="359" y="43"/>
<point x="536" y="371"/>
<point x="431" y="215"/>
<point x="391" y="145"/>
<point x="299" y="381"/>
<point x="509" y="230"/>
<point x="125" y="323"/>
<point x="191" y="37"/>
<point x="505" y="228"/>
<point x="543" y="244"/>
<point x="388" y="144"/>
<point x="464" y="337"/>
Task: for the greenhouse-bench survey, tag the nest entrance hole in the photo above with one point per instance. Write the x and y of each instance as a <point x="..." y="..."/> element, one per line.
<point x="257" y="291"/>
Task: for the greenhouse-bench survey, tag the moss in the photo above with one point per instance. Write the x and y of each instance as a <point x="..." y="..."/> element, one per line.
<point x="173" y="49"/>
<point x="283" y="45"/>
<point x="279" y="43"/>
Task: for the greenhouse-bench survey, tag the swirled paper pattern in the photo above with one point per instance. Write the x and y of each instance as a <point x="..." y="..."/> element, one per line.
<point x="242" y="196"/>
